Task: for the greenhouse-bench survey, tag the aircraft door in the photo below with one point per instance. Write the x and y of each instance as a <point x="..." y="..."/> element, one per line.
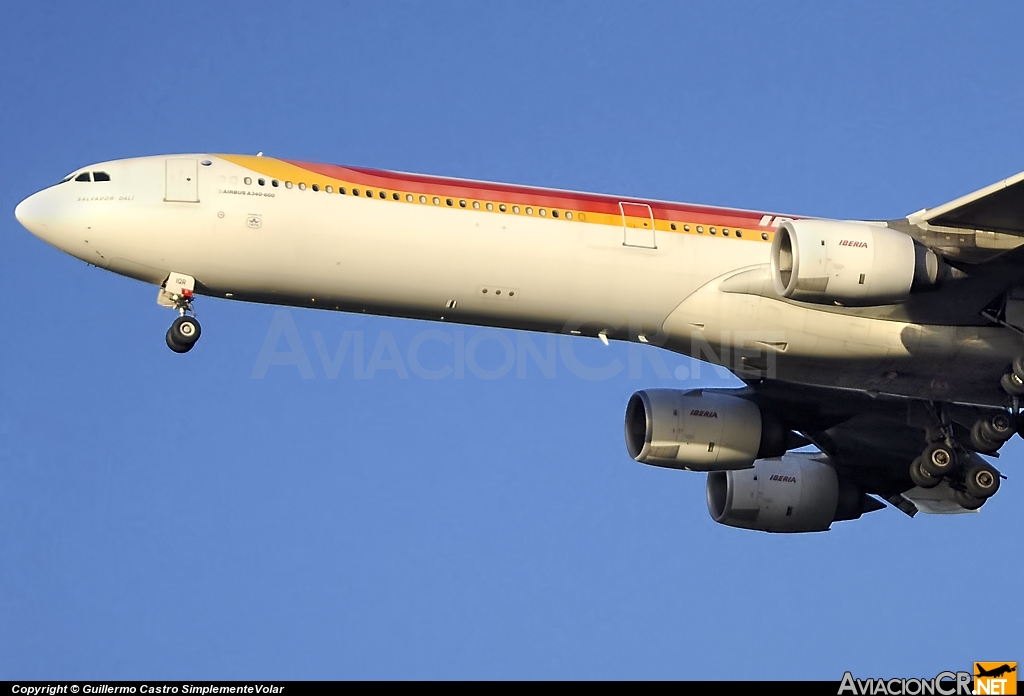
<point x="637" y="225"/>
<point x="182" y="182"/>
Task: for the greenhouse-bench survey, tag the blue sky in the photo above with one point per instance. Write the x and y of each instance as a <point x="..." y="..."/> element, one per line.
<point x="166" y="516"/>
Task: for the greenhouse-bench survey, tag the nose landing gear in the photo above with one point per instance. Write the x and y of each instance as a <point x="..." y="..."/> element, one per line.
<point x="177" y="293"/>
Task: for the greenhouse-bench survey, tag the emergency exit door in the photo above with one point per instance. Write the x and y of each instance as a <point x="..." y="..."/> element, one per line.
<point x="182" y="181"/>
<point x="637" y="225"/>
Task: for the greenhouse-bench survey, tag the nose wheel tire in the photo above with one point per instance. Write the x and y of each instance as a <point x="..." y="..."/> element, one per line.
<point x="920" y="477"/>
<point x="938" y="460"/>
<point x="981" y="481"/>
<point x="183" y="334"/>
<point x="176" y="347"/>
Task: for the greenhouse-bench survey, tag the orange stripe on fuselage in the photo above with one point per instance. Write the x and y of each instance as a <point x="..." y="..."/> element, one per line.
<point x="597" y="208"/>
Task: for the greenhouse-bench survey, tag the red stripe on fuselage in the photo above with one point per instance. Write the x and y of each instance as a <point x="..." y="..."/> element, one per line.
<point x="528" y="195"/>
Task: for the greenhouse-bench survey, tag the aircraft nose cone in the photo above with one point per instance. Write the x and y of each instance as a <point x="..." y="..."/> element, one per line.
<point x="31" y="214"/>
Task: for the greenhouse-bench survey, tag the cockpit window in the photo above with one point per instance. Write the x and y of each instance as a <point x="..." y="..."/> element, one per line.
<point x="84" y="176"/>
<point x="66" y="179"/>
<point x="100" y="176"/>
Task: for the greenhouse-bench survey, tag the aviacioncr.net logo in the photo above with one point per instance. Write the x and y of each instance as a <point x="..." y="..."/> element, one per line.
<point x="943" y="684"/>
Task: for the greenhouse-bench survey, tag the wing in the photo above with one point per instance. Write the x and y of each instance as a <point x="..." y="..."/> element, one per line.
<point x="973" y="229"/>
<point x="995" y="208"/>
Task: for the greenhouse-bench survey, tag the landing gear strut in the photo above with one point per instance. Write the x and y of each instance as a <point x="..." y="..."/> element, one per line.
<point x="177" y="293"/>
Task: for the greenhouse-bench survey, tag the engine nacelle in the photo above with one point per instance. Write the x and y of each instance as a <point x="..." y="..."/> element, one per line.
<point x="849" y="263"/>
<point x="699" y="430"/>
<point x="799" y="492"/>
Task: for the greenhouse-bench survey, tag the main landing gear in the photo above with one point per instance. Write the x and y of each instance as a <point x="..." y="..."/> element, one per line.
<point x="177" y="293"/>
<point x="972" y="479"/>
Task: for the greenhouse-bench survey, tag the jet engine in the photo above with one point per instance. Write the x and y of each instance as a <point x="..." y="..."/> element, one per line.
<point x="798" y="492"/>
<point x="849" y="263"/>
<point x="699" y="430"/>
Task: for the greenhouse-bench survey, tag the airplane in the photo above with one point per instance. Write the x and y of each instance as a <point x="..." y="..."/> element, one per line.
<point x="996" y="671"/>
<point x="893" y="347"/>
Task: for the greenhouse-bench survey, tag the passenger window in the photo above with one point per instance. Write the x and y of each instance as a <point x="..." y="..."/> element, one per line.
<point x="568" y="215"/>
<point x="329" y="188"/>
<point x="437" y="201"/>
<point x="355" y="192"/>
<point x="275" y="183"/>
<point x="302" y="186"/>
<point x="341" y="190"/>
<point x="490" y="206"/>
<point x="462" y="204"/>
<point x="448" y="201"/>
<point x="369" y="193"/>
<point x="84" y="176"/>
<point x="423" y="199"/>
<point x="384" y="194"/>
<point x="408" y="198"/>
<point x="543" y="213"/>
<point x="261" y="182"/>
<point x="100" y="176"/>
<point x="395" y="196"/>
<point x="529" y="210"/>
<point x="554" y="213"/>
<point x="248" y="181"/>
<point x="316" y="187"/>
<point x="515" y="209"/>
<point x="502" y="208"/>
<point x="287" y="184"/>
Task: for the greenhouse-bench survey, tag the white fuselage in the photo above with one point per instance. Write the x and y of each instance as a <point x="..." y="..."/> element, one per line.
<point x="632" y="270"/>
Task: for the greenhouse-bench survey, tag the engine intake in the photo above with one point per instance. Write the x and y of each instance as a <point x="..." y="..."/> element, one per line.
<point x="699" y="430"/>
<point x="848" y="262"/>
<point x="799" y="492"/>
